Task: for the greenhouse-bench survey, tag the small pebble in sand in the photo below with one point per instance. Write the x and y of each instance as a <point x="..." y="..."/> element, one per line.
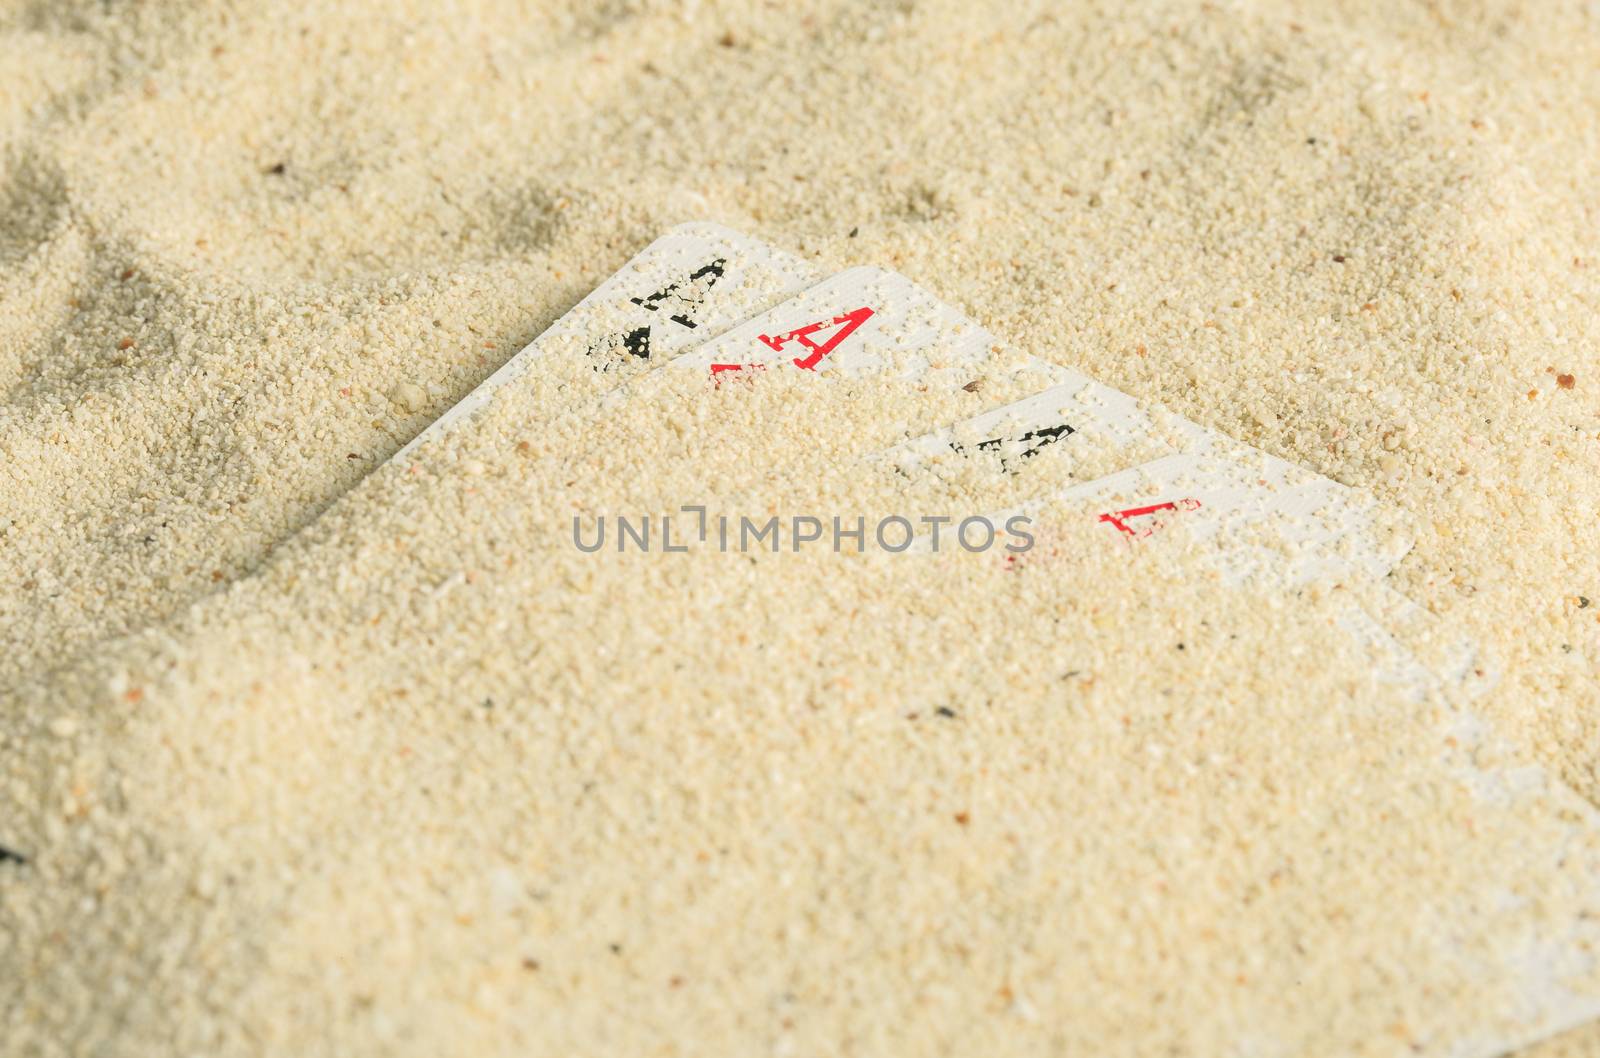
<point x="409" y="396"/>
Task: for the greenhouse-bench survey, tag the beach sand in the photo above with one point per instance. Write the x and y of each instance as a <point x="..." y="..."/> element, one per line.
<point x="247" y="252"/>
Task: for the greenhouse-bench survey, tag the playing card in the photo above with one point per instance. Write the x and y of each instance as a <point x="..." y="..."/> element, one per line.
<point x="1232" y="489"/>
<point x="1248" y="527"/>
<point x="1318" y="528"/>
<point x="869" y="321"/>
<point x="689" y="285"/>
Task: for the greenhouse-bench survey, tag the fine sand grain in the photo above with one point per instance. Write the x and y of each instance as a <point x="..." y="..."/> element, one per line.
<point x="299" y="766"/>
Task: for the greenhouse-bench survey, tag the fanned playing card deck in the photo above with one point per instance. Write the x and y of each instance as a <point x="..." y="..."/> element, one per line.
<point x="708" y="300"/>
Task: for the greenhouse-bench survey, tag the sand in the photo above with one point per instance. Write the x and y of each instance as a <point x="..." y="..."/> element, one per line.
<point x="246" y="254"/>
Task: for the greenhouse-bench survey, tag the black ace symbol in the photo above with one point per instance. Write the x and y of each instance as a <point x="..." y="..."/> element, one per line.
<point x="679" y="301"/>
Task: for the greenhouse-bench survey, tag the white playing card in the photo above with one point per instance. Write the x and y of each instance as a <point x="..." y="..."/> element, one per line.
<point x="1240" y="486"/>
<point x="1256" y="528"/>
<point x="867" y="321"/>
<point x="1022" y="428"/>
<point x="689" y="285"/>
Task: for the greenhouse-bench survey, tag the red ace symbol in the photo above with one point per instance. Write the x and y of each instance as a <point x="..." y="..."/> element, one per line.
<point x="844" y="326"/>
<point x="1119" y="519"/>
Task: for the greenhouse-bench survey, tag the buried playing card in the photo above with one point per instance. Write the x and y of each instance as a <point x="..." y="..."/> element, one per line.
<point x="869" y="321"/>
<point x="687" y="286"/>
<point x="1249" y="525"/>
<point x="1223" y="500"/>
<point x="1240" y="483"/>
